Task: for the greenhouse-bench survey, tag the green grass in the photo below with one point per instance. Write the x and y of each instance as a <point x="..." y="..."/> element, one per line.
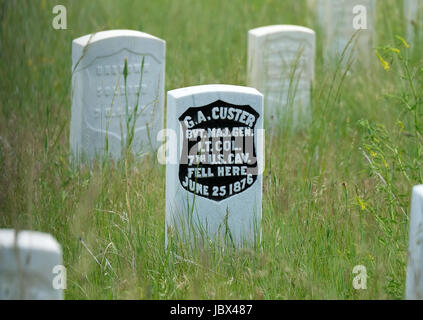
<point x="325" y="209"/>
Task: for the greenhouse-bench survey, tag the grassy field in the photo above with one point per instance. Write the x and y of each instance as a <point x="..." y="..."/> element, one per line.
<point x="336" y="194"/>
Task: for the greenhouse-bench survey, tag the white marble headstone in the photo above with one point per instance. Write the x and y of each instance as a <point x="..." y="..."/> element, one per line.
<point x="26" y="265"/>
<point x="281" y="66"/>
<point x="102" y="106"/>
<point x="413" y="12"/>
<point x="414" y="285"/>
<point x="214" y="186"/>
<point x="341" y="19"/>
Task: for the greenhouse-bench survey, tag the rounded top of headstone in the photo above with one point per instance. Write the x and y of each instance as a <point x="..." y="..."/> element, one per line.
<point x="29" y="240"/>
<point x="263" y="31"/>
<point x="418" y="190"/>
<point x="110" y="34"/>
<point x="177" y="93"/>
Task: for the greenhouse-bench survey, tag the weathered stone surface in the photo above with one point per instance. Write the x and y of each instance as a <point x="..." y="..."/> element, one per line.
<point x="281" y="66"/>
<point x="105" y="110"/>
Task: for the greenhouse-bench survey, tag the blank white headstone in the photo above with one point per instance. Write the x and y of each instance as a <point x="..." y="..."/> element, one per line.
<point x="215" y="186"/>
<point x="26" y="265"/>
<point x="100" y="106"/>
<point x="281" y="66"/>
<point x="414" y="286"/>
<point x="341" y="19"/>
<point x="413" y="12"/>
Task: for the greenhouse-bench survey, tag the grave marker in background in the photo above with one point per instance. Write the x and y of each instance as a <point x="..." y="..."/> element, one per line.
<point x="281" y="66"/>
<point x="413" y="12"/>
<point x="214" y="190"/>
<point x="27" y="266"/>
<point x="414" y="285"/>
<point x="102" y="106"/>
<point x="340" y="21"/>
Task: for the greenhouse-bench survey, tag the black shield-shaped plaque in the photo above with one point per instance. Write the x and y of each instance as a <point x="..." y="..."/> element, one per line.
<point x="219" y="158"/>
